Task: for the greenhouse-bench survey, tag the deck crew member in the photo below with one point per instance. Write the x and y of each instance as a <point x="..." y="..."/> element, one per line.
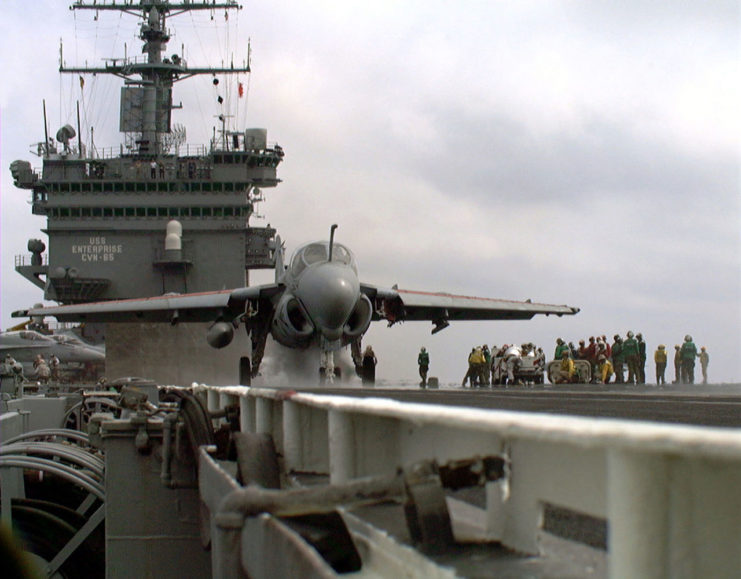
<point x="486" y="368"/>
<point x="704" y="359"/>
<point x="423" y="361"/>
<point x="54" y="367"/>
<point x="632" y="357"/>
<point x="618" y="359"/>
<point x="369" y="366"/>
<point x="641" y="358"/>
<point x="567" y="369"/>
<point x="561" y="346"/>
<point x="605" y="369"/>
<point x="42" y="369"/>
<point x="688" y="353"/>
<point x="660" y="360"/>
<point x="677" y="365"/>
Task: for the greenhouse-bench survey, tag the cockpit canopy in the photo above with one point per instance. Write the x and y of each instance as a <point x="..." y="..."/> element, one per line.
<point x="31" y="336"/>
<point x="318" y="252"/>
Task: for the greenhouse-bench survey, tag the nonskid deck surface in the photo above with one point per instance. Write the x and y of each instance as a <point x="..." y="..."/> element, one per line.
<point x="701" y="405"/>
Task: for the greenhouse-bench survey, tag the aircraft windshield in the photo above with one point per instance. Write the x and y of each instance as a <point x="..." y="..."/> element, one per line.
<point x="317" y="253"/>
<point x="342" y="254"/>
<point x="63" y="339"/>
<point x="33" y="336"/>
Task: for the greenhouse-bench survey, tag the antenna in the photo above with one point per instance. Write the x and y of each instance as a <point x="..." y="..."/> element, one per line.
<point x="331" y="240"/>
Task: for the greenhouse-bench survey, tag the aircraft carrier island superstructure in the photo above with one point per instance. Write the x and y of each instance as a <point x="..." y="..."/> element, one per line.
<point x="108" y="210"/>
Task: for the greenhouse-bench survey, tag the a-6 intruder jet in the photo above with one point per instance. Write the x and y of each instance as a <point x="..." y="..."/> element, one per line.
<point x="317" y="299"/>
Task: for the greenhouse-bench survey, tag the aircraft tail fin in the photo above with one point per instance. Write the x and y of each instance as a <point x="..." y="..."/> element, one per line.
<point x="279" y="257"/>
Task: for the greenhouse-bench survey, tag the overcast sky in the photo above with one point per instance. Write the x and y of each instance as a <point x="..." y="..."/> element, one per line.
<point x="584" y="153"/>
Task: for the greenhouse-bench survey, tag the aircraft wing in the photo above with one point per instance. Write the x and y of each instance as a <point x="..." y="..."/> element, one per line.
<point x="400" y="305"/>
<point x="175" y="308"/>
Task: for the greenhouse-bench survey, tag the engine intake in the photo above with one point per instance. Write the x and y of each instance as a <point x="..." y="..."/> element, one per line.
<point x="359" y="319"/>
<point x="291" y="324"/>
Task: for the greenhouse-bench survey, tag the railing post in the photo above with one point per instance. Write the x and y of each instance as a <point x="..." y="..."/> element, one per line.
<point x="637" y="506"/>
<point x="264" y="415"/>
<point x="292" y="435"/>
<point x="212" y="400"/>
<point x="341" y="447"/>
<point x="246" y="413"/>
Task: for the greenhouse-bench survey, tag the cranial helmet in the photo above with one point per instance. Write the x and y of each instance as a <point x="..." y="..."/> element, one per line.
<point x="688" y="338"/>
<point x="630" y="334"/>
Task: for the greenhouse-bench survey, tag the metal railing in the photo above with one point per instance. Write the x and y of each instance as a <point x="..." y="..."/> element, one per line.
<point x="669" y="493"/>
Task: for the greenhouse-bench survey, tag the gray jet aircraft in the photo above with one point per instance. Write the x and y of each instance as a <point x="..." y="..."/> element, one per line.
<point x="73" y="353"/>
<point x="317" y="299"/>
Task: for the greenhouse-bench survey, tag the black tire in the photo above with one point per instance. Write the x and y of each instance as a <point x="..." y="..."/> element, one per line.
<point x="44" y="534"/>
<point x="245" y="371"/>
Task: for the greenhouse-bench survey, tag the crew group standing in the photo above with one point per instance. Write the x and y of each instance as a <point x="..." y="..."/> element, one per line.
<point x="596" y="362"/>
<point x="630" y="353"/>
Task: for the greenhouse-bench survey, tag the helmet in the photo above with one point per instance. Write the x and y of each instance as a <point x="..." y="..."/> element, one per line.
<point x="423" y="349"/>
<point x="688" y="338"/>
<point x="601" y="358"/>
<point x="676" y="347"/>
<point x="639" y="336"/>
<point x="630" y="334"/>
<point x="661" y="346"/>
<point x="703" y="348"/>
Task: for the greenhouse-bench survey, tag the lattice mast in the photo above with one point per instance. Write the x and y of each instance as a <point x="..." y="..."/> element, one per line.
<point x="146" y="98"/>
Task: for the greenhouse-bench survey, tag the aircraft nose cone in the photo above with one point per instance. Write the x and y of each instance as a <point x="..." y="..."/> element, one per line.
<point x="329" y="293"/>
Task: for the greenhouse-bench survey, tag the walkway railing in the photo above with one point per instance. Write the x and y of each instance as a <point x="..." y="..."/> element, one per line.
<point x="670" y="494"/>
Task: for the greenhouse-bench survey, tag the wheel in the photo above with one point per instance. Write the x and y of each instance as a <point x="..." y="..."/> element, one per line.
<point x="245" y="371"/>
<point x="43" y="534"/>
